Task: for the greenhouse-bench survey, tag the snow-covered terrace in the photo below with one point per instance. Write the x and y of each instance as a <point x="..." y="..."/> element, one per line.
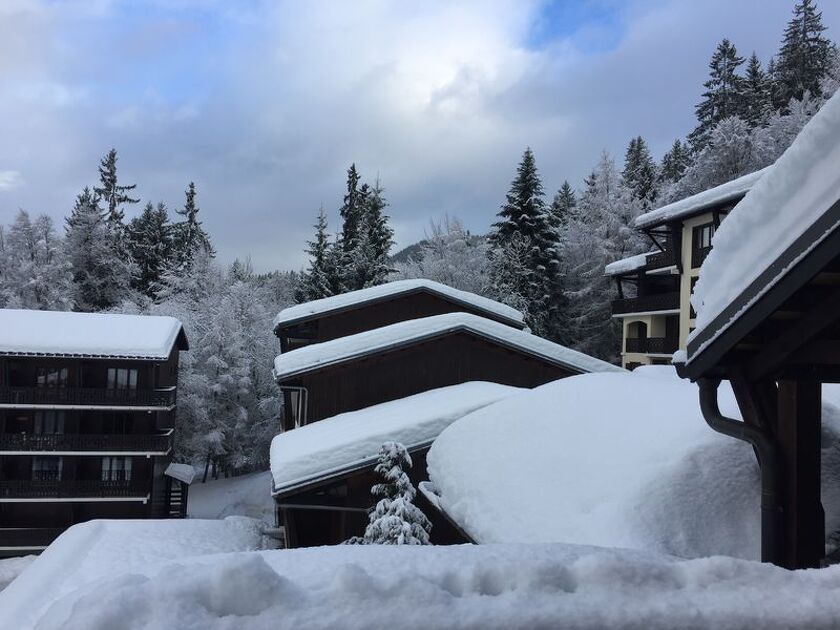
<point x="770" y="220"/>
<point x="695" y="204"/>
<point x="350" y="441"/>
<point x="626" y="265"/>
<point x="389" y="290"/>
<point x="95" y="335"/>
<point x="369" y="342"/>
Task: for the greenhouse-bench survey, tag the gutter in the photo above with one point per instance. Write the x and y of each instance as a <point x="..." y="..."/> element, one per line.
<point x="769" y="461"/>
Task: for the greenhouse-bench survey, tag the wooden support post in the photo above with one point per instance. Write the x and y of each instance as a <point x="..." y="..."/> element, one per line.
<point x="798" y="434"/>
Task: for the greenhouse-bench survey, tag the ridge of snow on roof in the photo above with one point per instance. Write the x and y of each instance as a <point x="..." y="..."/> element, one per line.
<point x="352" y="439"/>
<point x="391" y="289"/>
<point x="394" y="335"/>
<point x="803" y="185"/>
<point x="59" y="333"/>
<point x="701" y="201"/>
<point x="625" y="265"/>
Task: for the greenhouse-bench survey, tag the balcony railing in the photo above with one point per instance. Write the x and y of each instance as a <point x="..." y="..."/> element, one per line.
<point x="72" y="489"/>
<point x="668" y="258"/>
<point x="29" y="536"/>
<point x="87" y="396"/>
<point x="81" y="442"/>
<point x="647" y="303"/>
<point x="652" y="345"/>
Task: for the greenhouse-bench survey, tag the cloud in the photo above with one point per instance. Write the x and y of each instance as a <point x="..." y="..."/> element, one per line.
<point x="265" y="104"/>
<point x="10" y="180"/>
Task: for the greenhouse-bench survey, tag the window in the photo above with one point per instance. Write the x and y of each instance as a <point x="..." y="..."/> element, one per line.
<point x="122" y="378"/>
<point x="51" y="377"/>
<point x="117" y="423"/>
<point x="703" y="236"/>
<point x="47" y="468"/>
<point x="116" y="469"/>
<point x="49" y="422"/>
<point x="296" y="399"/>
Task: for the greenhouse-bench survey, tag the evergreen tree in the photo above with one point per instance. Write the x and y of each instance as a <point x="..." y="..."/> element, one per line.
<point x="525" y="216"/>
<point x="352" y="211"/>
<point x="724" y="95"/>
<point x="379" y="236"/>
<point x="101" y="271"/>
<point x="674" y="163"/>
<point x="757" y="104"/>
<point x="563" y="206"/>
<point x="395" y="520"/>
<point x="316" y="282"/>
<point x="150" y="246"/>
<point x="112" y="192"/>
<point x="189" y="235"/>
<point x="804" y="56"/>
<point x="639" y="174"/>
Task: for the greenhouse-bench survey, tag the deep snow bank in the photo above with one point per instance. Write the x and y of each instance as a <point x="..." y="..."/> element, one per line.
<point x="617" y="460"/>
<point x="486" y="586"/>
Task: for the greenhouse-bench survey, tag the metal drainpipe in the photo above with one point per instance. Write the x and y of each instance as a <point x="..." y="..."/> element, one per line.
<point x="769" y="463"/>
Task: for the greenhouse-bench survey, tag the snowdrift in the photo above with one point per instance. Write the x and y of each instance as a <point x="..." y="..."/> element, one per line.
<point x="615" y="460"/>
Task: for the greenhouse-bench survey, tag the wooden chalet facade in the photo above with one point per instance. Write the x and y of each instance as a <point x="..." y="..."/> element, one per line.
<point x="385" y="344"/>
<point x="87" y="413"/>
<point x="770" y="324"/>
<point x="654" y="289"/>
<point x="367" y="309"/>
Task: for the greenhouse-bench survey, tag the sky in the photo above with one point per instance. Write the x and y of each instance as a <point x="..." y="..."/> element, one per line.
<point x="265" y="104"/>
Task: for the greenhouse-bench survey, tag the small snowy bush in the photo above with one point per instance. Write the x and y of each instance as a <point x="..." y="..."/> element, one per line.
<point x="395" y="520"/>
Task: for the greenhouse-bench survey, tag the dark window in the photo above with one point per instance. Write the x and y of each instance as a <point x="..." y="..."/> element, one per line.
<point x="47" y="468"/>
<point x="117" y="423"/>
<point x="122" y="378"/>
<point x="51" y="377"/>
<point x="49" y="422"/>
<point x="116" y="469"/>
<point x="693" y="313"/>
<point x="701" y="243"/>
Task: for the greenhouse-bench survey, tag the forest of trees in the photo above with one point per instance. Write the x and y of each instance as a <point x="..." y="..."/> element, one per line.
<point x="545" y="254"/>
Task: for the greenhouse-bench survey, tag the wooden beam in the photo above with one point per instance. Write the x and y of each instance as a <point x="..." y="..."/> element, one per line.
<point x="798" y="436"/>
<point x="818" y="352"/>
<point x="775" y="353"/>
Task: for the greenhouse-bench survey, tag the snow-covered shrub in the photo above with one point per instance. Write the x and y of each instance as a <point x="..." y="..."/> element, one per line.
<point x="395" y="520"/>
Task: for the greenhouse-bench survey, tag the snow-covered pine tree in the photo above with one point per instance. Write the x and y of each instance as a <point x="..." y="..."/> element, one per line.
<point x="525" y="215"/>
<point x="804" y="56"/>
<point x="563" y="206"/>
<point x="315" y="282"/>
<point x="188" y="235"/>
<point x="36" y="273"/>
<point x="395" y="520"/>
<point x="639" y="174"/>
<point x="724" y="95"/>
<point x="112" y="193"/>
<point x="674" y="163"/>
<point x="101" y="272"/>
<point x="380" y="236"/>
<point x="600" y="233"/>
<point x="452" y="256"/>
<point x="150" y="246"/>
<point x="757" y="105"/>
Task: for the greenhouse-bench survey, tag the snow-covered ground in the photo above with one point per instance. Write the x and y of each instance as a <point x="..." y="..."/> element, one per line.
<point x="248" y="495"/>
<point x="617" y="460"/>
<point x="10" y="568"/>
<point x="487" y="586"/>
<point x="93" y="554"/>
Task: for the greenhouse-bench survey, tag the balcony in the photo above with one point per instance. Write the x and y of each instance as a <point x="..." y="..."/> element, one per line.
<point x="147" y="444"/>
<point x="652" y="345"/>
<point x="647" y="303"/>
<point x="659" y="260"/>
<point x="28" y="537"/>
<point x="87" y="397"/>
<point x="73" y="489"/>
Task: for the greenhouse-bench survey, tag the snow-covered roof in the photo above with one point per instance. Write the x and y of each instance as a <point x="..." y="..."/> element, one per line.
<point x="614" y="460"/>
<point x="181" y="472"/>
<point x="730" y="191"/>
<point x="626" y="265"/>
<point x="803" y="185"/>
<point x="389" y="290"/>
<point x="55" y="333"/>
<point x="352" y="440"/>
<point x="344" y="349"/>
